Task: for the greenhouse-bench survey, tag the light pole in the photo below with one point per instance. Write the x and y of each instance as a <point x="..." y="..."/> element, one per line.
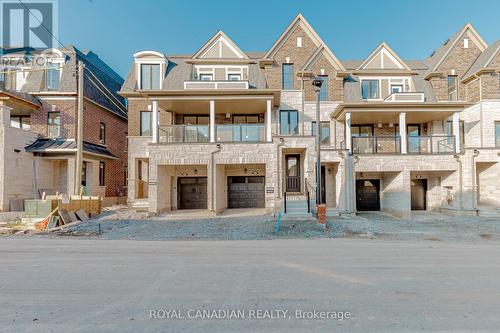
<point x="317" y="82"/>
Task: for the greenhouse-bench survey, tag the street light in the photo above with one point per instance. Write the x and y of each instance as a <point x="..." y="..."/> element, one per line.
<point x="317" y="82"/>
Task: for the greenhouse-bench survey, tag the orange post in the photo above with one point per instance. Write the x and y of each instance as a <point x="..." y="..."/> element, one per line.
<point x="321" y="213"/>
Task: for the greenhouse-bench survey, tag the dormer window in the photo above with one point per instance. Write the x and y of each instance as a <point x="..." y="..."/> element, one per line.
<point x="396" y="88"/>
<point x="52" y="77"/>
<point x="234" y="77"/>
<point x="206" y="77"/>
<point x="150" y="76"/>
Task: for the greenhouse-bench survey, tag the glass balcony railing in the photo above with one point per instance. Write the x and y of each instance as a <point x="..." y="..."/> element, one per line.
<point x="376" y="145"/>
<point x="442" y="144"/>
<point x="183" y="133"/>
<point x="241" y="133"/>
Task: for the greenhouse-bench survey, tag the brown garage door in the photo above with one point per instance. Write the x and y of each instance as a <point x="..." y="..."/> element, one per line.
<point x="246" y="192"/>
<point x="192" y="192"/>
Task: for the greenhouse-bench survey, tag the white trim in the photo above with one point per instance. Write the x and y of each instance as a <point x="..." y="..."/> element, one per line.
<point x="150" y="53"/>
<point x="220" y="36"/>
<point x="58" y="98"/>
<point x="384" y="49"/>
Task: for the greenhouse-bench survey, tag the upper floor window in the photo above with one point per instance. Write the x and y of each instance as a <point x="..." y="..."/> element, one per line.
<point x="150" y="76"/>
<point x="449" y="130"/>
<point x="452" y="87"/>
<point x="396" y="88"/>
<point x="23" y="122"/>
<point x="369" y="89"/>
<point x="234" y="77"/>
<point x="497" y="133"/>
<point x="52" y="77"/>
<point x="54" y="125"/>
<point x="145" y="123"/>
<point x="323" y="93"/>
<point x="361" y="130"/>
<point x="325" y="131"/>
<point x="289" y="122"/>
<point x="102" y="169"/>
<point x="102" y="133"/>
<point x="287" y="76"/>
<point x="206" y="77"/>
<point x="8" y="80"/>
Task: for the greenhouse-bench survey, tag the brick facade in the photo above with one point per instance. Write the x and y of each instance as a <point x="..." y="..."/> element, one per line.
<point x="68" y="110"/>
<point x="335" y="87"/>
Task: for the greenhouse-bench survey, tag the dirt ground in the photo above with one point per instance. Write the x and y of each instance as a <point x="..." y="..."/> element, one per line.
<point x="423" y="226"/>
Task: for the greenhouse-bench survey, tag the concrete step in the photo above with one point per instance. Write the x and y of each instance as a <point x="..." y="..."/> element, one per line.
<point x="489" y="213"/>
<point x="140" y="203"/>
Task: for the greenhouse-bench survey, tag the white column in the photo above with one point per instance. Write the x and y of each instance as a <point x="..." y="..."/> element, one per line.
<point x="456" y="132"/>
<point x="212" y="121"/>
<point x="154" y="121"/>
<point x="269" y="110"/>
<point x="348" y="134"/>
<point x="402" y="133"/>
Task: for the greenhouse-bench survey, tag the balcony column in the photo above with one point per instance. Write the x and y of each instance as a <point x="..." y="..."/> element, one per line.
<point x="269" y="110"/>
<point x="154" y="121"/>
<point x="402" y="133"/>
<point x="456" y="132"/>
<point x="348" y="134"/>
<point x="212" y="121"/>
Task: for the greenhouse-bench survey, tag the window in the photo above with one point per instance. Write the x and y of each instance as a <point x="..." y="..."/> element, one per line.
<point x="206" y="77"/>
<point x="125" y="175"/>
<point x="369" y="89"/>
<point x="452" y="87"/>
<point x="396" y="88"/>
<point x="361" y="130"/>
<point x="102" y="133"/>
<point x="145" y="129"/>
<point x="449" y="130"/>
<point x="289" y="122"/>
<point x="23" y="122"/>
<point x="325" y="131"/>
<point x="84" y="173"/>
<point x="287" y="76"/>
<point x="150" y="76"/>
<point x="102" y="169"/>
<point x="497" y="133"/>
<point x="9" y="80"/>
<point x="299" y="41"/>
<point x="323" y="92"/>
<point x="196" y="120"/>
<point x="54" y="125"/>
<point x="234" y="77"/>
<point x="52" y="77"/>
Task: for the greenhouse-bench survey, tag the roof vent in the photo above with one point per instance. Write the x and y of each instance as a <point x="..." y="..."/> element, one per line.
<point x="446" y="42"/>
<point x="433" y="53"/>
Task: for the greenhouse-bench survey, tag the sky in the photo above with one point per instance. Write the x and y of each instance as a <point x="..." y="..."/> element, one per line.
<point x="116" y="29"/>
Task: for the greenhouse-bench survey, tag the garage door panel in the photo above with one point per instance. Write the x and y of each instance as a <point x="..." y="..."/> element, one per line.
<point x="192" y="192"/>
<point x="246" y="192"/>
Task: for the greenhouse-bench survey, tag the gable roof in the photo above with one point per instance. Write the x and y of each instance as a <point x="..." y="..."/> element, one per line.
<point x="323" y="50"/>
<point x="383" y="52"/>
<point x="220" y="39"/>
<point x="438" y="56"/>
<point x="484" y="59"/>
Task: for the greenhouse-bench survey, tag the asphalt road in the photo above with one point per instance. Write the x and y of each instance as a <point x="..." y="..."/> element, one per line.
<point x="72" y="285"/>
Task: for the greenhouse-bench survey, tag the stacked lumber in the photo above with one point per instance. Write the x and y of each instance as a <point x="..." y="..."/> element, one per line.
<point x="61" y="217"/>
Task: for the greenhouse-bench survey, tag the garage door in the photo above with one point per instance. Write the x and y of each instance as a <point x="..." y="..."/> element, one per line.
<point x="367" y="195"/>
<point x="192" y="192"/>
<point x="246" y="192"/>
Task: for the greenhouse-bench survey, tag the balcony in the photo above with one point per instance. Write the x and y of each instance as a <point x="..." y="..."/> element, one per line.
<point x="215" y="85"/>
<point x="431" y="144"/>
<point x="405" y="97"/>
<point x="423" y="145"/>
<point x="376" y="145"/>
<point x="241" y="133"/>
<point x="183" y="133"/>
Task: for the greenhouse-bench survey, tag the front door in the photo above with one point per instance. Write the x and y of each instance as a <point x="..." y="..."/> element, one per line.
<point x="413" y="132"/>
<point x="418" y="194"/>
<point x="292" y="164"/>
<point x="367" y="194"/>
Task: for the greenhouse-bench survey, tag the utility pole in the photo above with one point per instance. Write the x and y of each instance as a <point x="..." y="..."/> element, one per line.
<point x="79" y="135"/>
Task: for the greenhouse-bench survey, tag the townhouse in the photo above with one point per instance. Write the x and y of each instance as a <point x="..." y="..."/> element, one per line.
<point x="38" y="126"/>
<point x="222" y="128"/>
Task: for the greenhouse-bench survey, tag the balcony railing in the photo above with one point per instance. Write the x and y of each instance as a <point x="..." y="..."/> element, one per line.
<point x="376" y="145"/>
<point x="183" y="133"/>
<point x="241" y="133"/>
<point x="209" y="85"/>
<point x="442" y="144"/>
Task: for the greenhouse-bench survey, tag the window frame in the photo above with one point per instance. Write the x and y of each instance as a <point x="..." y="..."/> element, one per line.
<point x="21" y="122"/>
<point x="51" y="69"/>
<point x="49" y="125"/>
<point x="497" y="134"/>
<point x="358" y="127"/>
<point x="322" y="124"/>
<point x="141" y="133"/>
<point x="201" y="75"/>
<point x="151" y="81"/>
<point x="102" y="133"/>
<point x="370" y="89"/>
<point x="288" y="123"/>
<point x="102" y="173"/>
<point x="229" y="75"/>
<point x="324" y="92"/>
<point x="455" y="91"/>
<point x="396" y="85"/>
<point x="291" y="81"/>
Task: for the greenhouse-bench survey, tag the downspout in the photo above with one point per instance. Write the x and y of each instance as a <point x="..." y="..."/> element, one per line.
<point x="303" y="103"/>
<point x="474" y="185"/>
<point x="212" y="180"/>
<point x="355" y="159"/>
<point x="460" y="180"/>
<point x="278" y="157"/>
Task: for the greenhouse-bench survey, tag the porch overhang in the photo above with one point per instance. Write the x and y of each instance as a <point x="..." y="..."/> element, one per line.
<point x="17" y="100"/>
<point x="61" y="146"/>
<point x="383" y="112"/>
